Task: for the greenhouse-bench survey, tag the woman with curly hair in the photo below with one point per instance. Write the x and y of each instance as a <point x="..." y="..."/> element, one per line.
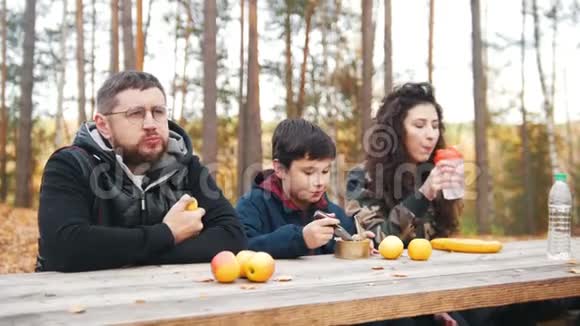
<point x="397" y="191"/>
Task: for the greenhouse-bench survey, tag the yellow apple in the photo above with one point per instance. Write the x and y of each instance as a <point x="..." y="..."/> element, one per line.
<point x="243" y="257"/>
<point x="391" y="247"/>
<point x="260" y="267"/>
<point x="419" y="249"/>
<point x="192" y="205"/>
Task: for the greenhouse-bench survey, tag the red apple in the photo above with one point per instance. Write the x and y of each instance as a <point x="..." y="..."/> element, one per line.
<point x="225" y="267"/>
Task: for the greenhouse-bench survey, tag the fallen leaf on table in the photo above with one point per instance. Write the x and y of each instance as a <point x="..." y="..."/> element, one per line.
<point x="248" y="287"/>
<point x="76" y="309"/>
<point x="398" y="275"/>
<point x="139" y="301"/>
<point x="377" y="268"/>
<point x="206" y="280"/>
<point x="283" y="278"/>
<point x="575" y="271"/>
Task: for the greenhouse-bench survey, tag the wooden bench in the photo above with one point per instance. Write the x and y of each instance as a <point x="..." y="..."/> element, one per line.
<point x="323" y="290"/>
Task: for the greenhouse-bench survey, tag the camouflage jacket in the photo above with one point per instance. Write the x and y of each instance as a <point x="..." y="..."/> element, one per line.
<point x="412" y="218"/>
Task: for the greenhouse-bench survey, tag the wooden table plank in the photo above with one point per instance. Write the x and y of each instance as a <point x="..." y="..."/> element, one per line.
<point x="323" y="289"/>
<point x="175" y="273"/>
<point x="182" y="285"/>
<point x="441" y="263"/>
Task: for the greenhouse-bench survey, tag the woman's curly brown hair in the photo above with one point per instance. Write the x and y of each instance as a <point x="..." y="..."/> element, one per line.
<point x="393" y="176"/>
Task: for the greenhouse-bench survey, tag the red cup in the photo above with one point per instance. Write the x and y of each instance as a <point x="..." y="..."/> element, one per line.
<point x="452" y="156"/>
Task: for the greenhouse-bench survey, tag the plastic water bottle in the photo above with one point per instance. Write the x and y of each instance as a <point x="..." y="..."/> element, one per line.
<point x="452" y="157"/>
<point x="560" y="209"/>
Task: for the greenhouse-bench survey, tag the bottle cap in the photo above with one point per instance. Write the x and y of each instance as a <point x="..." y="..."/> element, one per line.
<point x="560" y="177"/>
<point x="447" y="154"/>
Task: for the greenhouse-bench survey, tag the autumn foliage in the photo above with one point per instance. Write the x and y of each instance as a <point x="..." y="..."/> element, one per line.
<point x="18" y="239"/>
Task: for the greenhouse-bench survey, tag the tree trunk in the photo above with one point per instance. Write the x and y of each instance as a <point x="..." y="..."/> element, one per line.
<point x="314" y="89"/>
<point x="4" y="113"/>
<point x="184" y="78"/>
<point x="242" y="110"/>
<point x="252" y="143"/>
<point x="184" y="82"/>
<point x="367" y="73"/>
<point x="140" y="40"/>
<point x="81" y="62"/>
<point x="146" y="30"/>
<point x="310" y="6"/>
<point x="93" y="57"/>
<point x="290" y="107"/>
<point x="481" y="118"/>
<point x="175" y="48"/>
<point x="555" y="9"/>
<point x="114" y="64"/>
<point x="431" y="26"/>
<point x="548" y="106"/>
<point x="530" y="221"/>
<point x="569" y="130"/>
<point x="388" y="45"/>
<point x="555" y="12"/>
<point x="569" y="139"/>
<point x="331" y="111"/>
<point x="127" y="25"/>
<point x="59" y="132"/>
<point x="210" y="124"/>
<point x="24" y="148"/>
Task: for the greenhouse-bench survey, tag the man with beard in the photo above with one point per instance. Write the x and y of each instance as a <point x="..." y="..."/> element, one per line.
<point x="119" y="195"/>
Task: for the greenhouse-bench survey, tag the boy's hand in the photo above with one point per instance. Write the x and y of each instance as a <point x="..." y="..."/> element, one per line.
<point x="318" y="232"/>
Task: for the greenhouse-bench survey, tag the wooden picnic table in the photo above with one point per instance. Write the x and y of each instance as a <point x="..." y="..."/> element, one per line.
<point x="323" y="290"/>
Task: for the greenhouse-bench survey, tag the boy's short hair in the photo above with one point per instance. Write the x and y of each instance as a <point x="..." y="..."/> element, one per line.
<point x="295" y="139"/>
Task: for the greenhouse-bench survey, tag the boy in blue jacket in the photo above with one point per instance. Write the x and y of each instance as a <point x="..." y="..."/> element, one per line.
<point x="278" y="212"/>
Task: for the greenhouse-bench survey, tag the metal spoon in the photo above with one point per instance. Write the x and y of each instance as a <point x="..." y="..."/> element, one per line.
<point x="339" y="231"/>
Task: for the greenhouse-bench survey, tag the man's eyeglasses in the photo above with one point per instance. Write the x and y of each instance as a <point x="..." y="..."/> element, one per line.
<point x="136" y="115"/>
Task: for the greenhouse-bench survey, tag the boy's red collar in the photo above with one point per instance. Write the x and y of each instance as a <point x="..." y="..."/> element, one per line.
<point x="273" y="184"/>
